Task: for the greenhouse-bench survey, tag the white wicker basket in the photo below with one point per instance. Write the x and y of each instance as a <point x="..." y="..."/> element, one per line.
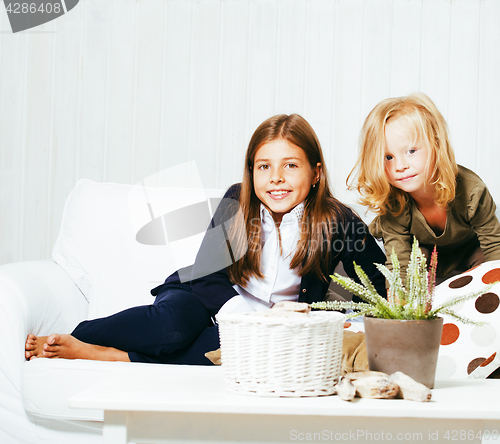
<point x="278" y="356"/>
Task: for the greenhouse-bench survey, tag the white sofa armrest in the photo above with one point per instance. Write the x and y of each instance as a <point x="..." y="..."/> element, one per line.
<point x="35" y="297"/>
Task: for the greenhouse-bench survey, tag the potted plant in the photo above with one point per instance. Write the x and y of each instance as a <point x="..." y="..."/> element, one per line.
<point x="402" y="332"/>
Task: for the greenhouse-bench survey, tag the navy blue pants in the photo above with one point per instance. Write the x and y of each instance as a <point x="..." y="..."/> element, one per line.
<point x="175" y="329"/>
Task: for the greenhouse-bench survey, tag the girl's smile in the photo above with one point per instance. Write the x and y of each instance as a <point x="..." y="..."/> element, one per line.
<point x="279" y="194"/>
<point x="407" y="178"/>
<point x="282" y="176"/>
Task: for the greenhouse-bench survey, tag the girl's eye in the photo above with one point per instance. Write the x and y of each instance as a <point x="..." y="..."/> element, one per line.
<point x="388" y="157"/>
<point x="291" y="165"/>
<point x="412" y="151"/>
<point x="263" y="167"/>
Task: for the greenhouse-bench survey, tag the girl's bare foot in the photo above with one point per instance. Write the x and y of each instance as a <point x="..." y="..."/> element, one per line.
<point x="68" y="347"/>
<point x="34" y="346"/>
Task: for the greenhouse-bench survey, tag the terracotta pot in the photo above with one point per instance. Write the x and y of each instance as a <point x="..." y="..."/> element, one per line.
<point x="410" y="347"/>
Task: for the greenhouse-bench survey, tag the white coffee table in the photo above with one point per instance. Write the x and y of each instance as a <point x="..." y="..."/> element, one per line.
<point x="188" y="404"/>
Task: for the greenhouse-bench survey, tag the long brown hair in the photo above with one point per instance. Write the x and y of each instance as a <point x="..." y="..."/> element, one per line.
<point x="426" y="124"/>
<point x="322" y="211"/>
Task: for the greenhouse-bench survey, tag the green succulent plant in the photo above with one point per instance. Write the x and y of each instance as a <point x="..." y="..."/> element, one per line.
<point x="411" y="301"/>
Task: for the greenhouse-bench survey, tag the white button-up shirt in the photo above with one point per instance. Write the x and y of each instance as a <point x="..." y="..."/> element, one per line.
<point x="280" y="283"/>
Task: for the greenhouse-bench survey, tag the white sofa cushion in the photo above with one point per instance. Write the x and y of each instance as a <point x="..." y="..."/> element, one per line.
<point x="98" y="248"/>
<point x="48" y="384"/>
<point x="115" y="261"/>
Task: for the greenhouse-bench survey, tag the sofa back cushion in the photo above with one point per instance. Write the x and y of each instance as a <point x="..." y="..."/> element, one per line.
<point x="114" y="245"/>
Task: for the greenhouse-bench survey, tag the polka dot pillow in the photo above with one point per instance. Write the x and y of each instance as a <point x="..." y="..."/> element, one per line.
<point x="469" y="351"/>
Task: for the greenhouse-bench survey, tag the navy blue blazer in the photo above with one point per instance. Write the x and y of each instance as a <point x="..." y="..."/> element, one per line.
<point x="353" y="243"/>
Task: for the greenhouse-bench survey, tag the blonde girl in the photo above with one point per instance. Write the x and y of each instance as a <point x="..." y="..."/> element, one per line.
<point x="407" y="173"/>
<point x="281" y="233"/>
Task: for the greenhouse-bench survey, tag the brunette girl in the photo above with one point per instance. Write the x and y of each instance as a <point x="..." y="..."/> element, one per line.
<point x="281" y="232"/>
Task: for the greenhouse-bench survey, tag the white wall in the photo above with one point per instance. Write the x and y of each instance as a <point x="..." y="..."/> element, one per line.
<point x="117" y="90"/>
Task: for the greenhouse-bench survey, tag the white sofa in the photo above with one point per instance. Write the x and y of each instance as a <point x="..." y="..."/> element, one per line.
<point x="97" y="268"/>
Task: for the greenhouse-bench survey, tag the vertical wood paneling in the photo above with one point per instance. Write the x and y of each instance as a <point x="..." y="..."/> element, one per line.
<point x="203" y="89"/>
<point x="14" y="56"/>
<point x="347" y="92"/>
<point x="39" y="84"/>
<point x="150" y="28"/>
<point x="319" y="75"/>
<point x="262" y="62"/>
<point x="377" y="47"/>
<point x="4" y="249"/>
<point x="488" y="117"/>
<point x="406" y="47"/>
<point x="290" y="57"/>
<point x="176" y="81"/>
<point x="125" y="88"/>
<point x="50" y="173"/>
<point x="464" y="58"/>
<point x="232" y="88"/>
<point x="65" y="103"/>
<point x="435" y="45"/>
<point x="95" y="50"/>
<point x="121" y="69"/>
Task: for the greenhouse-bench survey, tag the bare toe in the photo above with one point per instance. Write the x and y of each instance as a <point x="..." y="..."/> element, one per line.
<point x="30" y="342"/>
<point x="53" y="339"/>
<point x="50" y="354"/>
<point x="50" y="348"/>
<point x="57" y="346"/>
<point x="33" y="346"/>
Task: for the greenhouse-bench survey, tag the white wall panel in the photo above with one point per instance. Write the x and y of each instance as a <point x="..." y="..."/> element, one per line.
<point x="37" y="149"/>
<point x="148" y="65"/>
<point x="435" y="51"/>
<point x="262" y="60"/>
<point x="463" y="79"/>
<point x="347" y="94"/>
<point x="290" y="57"/>
<point x="377" y="50"/>
<point x="65" y="128"/>
<point x="117" y="90"/>
<point x="13" y="85"/>
<point x="232" y="93"/>
<point x="488" y="102"/>
<point x="176" y="81"/>
<point x="319" y="71"/>
<point x="95" y="50"/>
<point x="121" y="75"/>
<point x="406" y="47"/>
<point x="206" y="53"/>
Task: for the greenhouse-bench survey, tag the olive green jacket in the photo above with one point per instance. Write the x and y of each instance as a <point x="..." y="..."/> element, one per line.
<point x="471" y="222"/>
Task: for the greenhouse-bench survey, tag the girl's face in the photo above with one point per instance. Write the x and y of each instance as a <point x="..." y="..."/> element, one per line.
<point x="282" y="176"/>
<point x="405" y="160"/>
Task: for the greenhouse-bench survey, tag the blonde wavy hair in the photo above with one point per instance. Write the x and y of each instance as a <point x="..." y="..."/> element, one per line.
<point x="424" y="123"/>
